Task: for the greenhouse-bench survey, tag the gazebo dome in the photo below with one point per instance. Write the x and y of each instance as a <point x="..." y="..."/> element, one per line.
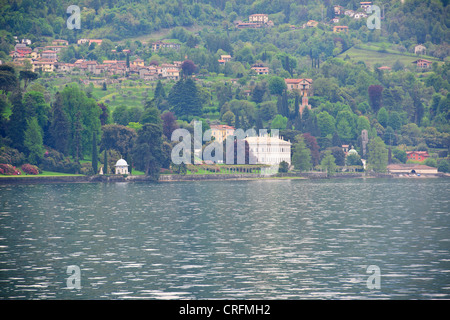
<point x="121" y="167"/>
<point x="121" y="163"/>
<point x="352" y="151"/>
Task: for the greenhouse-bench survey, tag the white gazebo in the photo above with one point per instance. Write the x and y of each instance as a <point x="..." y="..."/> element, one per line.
<point x="121" y="167"/>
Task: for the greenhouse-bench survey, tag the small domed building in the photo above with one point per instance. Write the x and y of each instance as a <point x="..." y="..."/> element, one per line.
<point x="121" y="167"/>
<point x="352" y="151"/>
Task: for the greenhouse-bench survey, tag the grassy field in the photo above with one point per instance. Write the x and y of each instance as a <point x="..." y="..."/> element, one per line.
<point x="129" y="93"/>
<point x="43" y="174"/>
<point x="371" y="55"/>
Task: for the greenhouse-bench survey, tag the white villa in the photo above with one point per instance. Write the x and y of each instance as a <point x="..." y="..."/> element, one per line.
<point x="269" y="149"/>
<point x="121" y="167"/>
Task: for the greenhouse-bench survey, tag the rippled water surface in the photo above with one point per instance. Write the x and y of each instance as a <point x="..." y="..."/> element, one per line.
<point x="271" y="239"/>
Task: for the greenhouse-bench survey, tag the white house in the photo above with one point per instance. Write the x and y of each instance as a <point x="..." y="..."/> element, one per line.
<point x="121" y="167"/>
<point x="269" y="149"/>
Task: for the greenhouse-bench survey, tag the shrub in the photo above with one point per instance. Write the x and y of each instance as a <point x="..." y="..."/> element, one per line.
<point x="284" y="167"/>
<point x="30" y="169"/>
<point x="444" y="166"/>
<point x="56" y="161"/>
<point x="86" y="168"/>
<point x="431" y="162"/>
<point x="9" y="170"/>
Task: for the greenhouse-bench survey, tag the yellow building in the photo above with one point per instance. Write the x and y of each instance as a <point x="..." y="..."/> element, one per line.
<point x="338" y="29"/>
<point x="221" y="131"/>
<point x="44" y="65"/>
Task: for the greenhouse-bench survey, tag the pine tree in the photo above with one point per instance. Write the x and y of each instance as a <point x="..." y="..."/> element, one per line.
<point x="94" y="153"/>
<point x="301" y="159"/>
<point x="59" y="127"/>
<point x="17" y="122"/>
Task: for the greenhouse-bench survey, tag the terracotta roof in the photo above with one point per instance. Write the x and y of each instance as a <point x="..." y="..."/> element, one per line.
<point x="221" y="126"/>
<point x="422" y="60"/>
<point x="417" y="152"/>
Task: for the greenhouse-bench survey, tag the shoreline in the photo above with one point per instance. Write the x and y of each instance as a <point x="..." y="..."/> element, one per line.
<point x="8" y="180"/>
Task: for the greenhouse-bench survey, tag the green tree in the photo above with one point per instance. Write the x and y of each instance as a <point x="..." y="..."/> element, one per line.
<point x="328" y="163"/>
<point x="18" y="121"/>
<point x="83" y="114"/>
<point x="105" y="162"/>
<point x="184" y="99"/>
<point x="59" y="130"/>
<point x="267" y="110"/>
<point x="33" y="141"/>
<point x="276" y="85"/>
<point x="400" y="155"/>
<point x="326" y="123"/>
<point x="279" y="122"/>
<point x="354" y="159"/>
<point x="151" y="115"/>
<point x="378" y="155"/>
<point x="383" y="117"/>
<point x="229" y="118"/>
<point x="283" y="167"/>
<point x="301" y="159"/>
<point x="147" y="153"/>
<point x="444" y="166"/>
<point x="36" y="106"/>
<point x="119" y="138"/>
<point x="395" y="120"/>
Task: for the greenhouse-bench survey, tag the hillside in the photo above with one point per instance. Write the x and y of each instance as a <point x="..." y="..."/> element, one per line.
<point x="216" y="67"/>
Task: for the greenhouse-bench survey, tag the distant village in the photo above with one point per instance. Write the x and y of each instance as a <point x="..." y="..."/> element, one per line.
<point x="46" y="59"/>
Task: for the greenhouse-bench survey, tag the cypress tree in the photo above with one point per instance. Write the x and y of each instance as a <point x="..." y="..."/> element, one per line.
<point x="296" y="107"/>
<point x="284" y="105"/>
<point x="94" y="153"/>
<point x="105" y="162"/>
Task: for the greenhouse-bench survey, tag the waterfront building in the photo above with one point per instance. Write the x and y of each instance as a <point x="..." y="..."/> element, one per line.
<point x="121" y="167"/>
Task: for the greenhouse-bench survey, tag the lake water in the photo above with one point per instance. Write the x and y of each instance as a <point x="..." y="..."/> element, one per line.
<point x="263" y="239"/>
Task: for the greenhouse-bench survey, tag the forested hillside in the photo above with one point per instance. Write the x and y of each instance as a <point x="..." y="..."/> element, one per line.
<point x="361" y="79"/>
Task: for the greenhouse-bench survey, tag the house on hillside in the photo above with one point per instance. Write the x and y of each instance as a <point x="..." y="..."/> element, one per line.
<point x="360" y="15"/>
<point x="260" y="18"/>
<point x="138" y="62"/>
<point x="423" y="64"/>
<point x="49" y="54"/>
<point x="365" y="5"/>
<point x="60" y="42"/>
<point x="417" y="155"/>
<point x="44" y="65"/>
<point x="221" y="131"/>
<point x="338" y="10"/>
<point x="420" y="49"/>
<point x="260" y="69"/>
<point x="156" y="46"/>
<point x="312" y="24"/>
<point x="302" y="86"/>
<point x="337" y="29"/>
